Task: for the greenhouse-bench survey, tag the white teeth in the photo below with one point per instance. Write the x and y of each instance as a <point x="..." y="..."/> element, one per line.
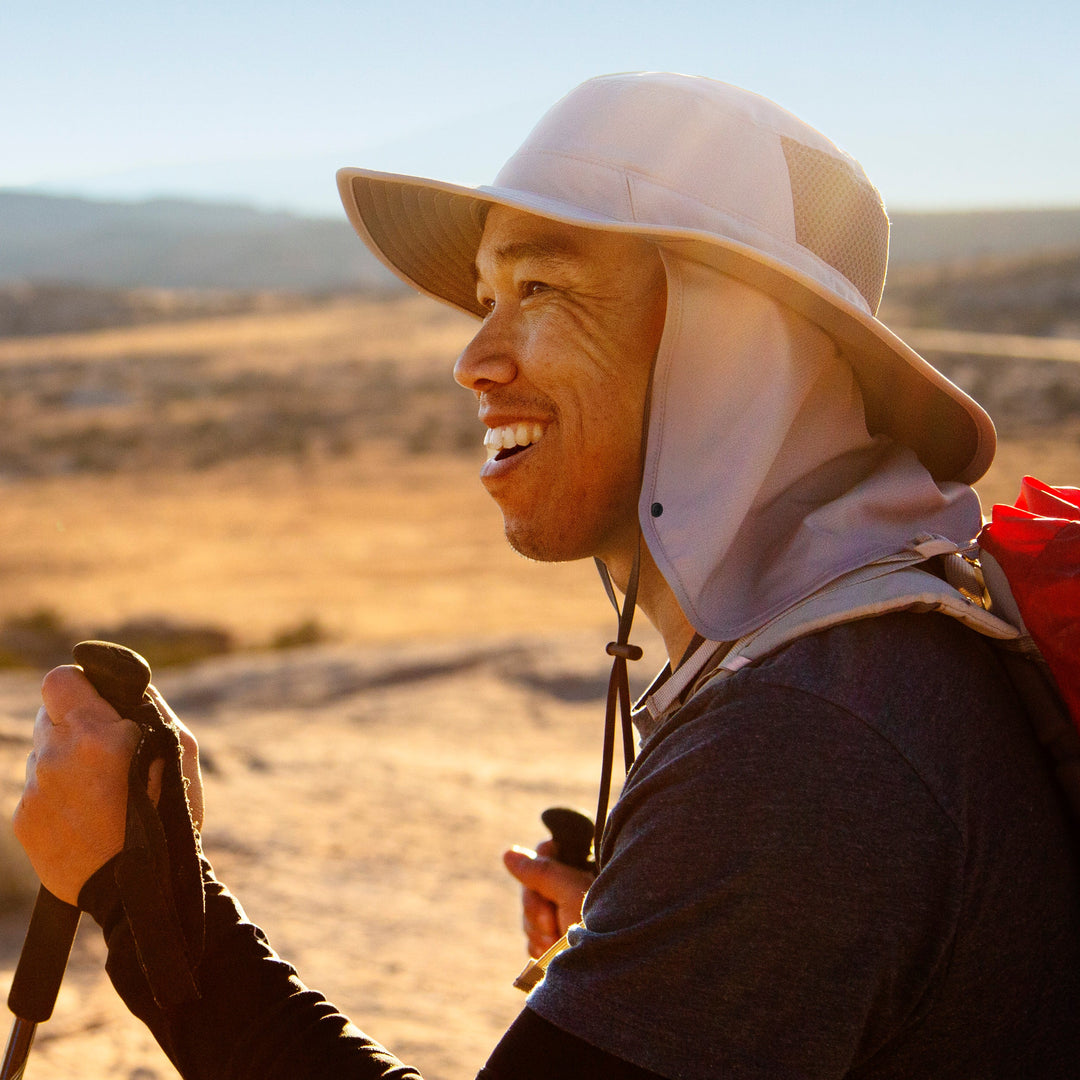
<point x="511" y="435"/>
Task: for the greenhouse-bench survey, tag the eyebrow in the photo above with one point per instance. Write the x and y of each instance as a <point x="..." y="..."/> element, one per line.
<point x="536" y="250"/>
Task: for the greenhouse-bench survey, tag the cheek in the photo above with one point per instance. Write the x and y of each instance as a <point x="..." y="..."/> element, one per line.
<point x="595" y="366"/>
<point x="583" y="358"/>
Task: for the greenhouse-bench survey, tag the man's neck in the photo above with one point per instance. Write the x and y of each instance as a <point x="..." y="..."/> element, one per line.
<point x="658" y="602"/>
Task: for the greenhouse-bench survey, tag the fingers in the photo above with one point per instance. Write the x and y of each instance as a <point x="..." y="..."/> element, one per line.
<point x="190" y="760"/>
<point x="72" y="813"/>
<point x="548" y="848"/>
<point x="544" y="873"/>
<point x="540" y="921"/>
<point x="69" y="698"/>
<point x="539" y="915"/>
<point x="76" y="722"/>
<point x="552" y="894"/>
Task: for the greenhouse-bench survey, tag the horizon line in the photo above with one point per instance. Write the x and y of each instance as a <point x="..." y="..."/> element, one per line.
<point x="225" y="201"/>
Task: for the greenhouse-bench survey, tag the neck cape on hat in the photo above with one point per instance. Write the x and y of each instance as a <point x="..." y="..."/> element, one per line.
<point x="761" y="482"/>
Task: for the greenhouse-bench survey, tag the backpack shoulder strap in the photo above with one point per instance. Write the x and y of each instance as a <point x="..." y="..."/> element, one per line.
<point x="899" y="583"/>
<point x="862" y="594"/>
<point x="894" y="583"/>
<point x="1027" y="669"/>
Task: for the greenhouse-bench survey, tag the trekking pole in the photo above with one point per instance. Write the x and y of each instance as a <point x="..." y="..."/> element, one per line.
<point x="572" y="832"/>
<point x="121" y="677"/>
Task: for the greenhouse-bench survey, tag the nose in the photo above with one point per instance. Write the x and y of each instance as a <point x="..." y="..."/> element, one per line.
<point x="488" y="360"/>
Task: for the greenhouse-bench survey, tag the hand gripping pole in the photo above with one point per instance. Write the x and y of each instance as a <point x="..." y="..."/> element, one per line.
<point x="121" y="677"/>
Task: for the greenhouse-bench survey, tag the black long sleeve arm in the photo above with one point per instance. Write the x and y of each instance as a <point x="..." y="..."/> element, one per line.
<point x="255" y="1019"/>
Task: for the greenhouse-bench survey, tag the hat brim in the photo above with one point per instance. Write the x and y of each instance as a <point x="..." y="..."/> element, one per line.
<point x="427" y="233"/>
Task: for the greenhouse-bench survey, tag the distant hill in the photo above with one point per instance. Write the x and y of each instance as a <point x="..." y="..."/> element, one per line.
<point x="975" y="234"/>
<point x="168" y="243"/>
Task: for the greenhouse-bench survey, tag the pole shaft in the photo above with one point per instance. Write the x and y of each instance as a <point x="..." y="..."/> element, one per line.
<point x="18" y="1049"/>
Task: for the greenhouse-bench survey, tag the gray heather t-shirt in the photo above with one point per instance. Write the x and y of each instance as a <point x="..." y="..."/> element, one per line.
<point x="848" y="861"/>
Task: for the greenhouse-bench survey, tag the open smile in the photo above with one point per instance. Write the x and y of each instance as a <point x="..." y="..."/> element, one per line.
<point x="510" y="439"/>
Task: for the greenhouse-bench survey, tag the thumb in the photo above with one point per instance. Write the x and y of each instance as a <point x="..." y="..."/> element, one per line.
<point x="547" y="876"/>
<point x="552" y="895"/>
<point x="518" y="860"/>
<point x="527" y="866"/>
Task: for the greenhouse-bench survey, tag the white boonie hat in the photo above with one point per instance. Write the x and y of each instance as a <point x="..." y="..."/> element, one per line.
<point x="720" y="176"/>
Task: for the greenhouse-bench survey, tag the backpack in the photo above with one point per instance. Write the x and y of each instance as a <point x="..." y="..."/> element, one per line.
<point x="1017" y="583"/>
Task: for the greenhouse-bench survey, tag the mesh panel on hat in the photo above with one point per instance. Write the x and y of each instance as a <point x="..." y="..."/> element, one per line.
<point x="839" y="217"/>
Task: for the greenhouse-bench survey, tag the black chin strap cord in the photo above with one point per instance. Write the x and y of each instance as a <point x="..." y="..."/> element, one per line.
<point x="618" y="693"/>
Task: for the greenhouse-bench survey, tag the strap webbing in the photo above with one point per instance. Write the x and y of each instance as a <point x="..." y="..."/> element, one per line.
<point x="159" y="872"/>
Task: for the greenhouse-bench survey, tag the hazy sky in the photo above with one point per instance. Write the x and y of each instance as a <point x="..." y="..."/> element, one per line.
<point x="947" y="105"/>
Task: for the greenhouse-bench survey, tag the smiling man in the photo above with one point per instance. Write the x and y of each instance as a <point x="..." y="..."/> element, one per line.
<point x="843" y="857"/>
<point x="561" y="366"/>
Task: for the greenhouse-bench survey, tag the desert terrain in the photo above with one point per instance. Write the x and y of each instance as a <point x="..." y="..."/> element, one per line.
<point x="393" y="695"/>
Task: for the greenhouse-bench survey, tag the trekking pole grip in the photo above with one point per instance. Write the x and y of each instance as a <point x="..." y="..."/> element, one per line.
<point x="572" y="832"/>
<point x="121" y="677"/>
<point x="44" y="957"/>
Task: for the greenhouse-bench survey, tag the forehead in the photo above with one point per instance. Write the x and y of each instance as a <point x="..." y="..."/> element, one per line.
<point x="513" y="236"/>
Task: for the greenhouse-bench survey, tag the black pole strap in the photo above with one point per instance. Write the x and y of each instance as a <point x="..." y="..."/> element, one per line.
<point x="159" y="872"/>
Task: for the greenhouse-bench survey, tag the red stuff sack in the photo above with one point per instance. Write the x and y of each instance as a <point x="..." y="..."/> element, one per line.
<point x="1036" y="543"/>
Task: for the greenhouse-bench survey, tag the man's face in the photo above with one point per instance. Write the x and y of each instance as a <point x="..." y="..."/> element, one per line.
<point x="560" y="368"/>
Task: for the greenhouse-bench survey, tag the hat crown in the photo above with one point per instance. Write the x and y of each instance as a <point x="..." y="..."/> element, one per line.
<point x="679" y="152"/>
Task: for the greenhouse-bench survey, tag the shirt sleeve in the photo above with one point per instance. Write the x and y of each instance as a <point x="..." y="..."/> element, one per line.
<point x="778" y="891"/>
<point x="255" y="1019"/>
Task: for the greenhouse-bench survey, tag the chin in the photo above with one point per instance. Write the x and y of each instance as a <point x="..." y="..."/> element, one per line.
<point x="538" y="546"/>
